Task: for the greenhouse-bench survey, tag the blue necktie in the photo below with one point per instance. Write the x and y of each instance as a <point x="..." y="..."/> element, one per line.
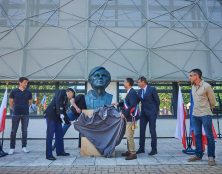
<point x="143" y="92"/>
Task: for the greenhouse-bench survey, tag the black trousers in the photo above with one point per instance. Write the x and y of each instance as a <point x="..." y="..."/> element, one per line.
<point x="15" y="124"/>
<point x="144" y="120"/>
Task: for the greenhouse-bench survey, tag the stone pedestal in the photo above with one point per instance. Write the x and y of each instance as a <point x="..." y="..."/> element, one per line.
<point x="87" y="148"/>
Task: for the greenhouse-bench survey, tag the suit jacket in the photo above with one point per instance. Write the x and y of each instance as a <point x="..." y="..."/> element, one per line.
<point x="58" y="106"/>
<point x="131" y="101"/>
<point x="150" y="103"/>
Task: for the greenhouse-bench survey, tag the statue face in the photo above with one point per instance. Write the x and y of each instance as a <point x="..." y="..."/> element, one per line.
<point x="100" y="79"/>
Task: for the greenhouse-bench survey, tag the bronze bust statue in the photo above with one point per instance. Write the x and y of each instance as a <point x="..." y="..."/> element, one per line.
<point x="99" y="78"/>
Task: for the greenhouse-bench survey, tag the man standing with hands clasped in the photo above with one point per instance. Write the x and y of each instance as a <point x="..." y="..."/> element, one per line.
<point x="19" y="100"/>
<point x="204" y="102"/>
<point x="150" y="103"/>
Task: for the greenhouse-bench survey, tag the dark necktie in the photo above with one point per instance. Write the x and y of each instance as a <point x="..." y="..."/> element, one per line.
<point x="143" y="93"/>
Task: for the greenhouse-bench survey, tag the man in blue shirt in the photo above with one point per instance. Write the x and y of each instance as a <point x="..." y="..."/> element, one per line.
<point x="19" y="100"/>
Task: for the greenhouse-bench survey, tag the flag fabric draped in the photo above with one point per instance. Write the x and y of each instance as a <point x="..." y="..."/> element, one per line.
<point x="3" y="111"/>
<point x="43" y="102"/>
<point x="181" y="119"/>
<point x="204" y="137"/>
<point x="36" y="99"/>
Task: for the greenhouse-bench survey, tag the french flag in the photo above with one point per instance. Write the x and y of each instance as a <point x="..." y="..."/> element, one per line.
<point x="3" y="111"/>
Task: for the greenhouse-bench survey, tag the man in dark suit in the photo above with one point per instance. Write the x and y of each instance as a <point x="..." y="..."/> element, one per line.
<point x="129" y="108"/>
<point x="150" y="103"/>
<point x="55" y="114"/>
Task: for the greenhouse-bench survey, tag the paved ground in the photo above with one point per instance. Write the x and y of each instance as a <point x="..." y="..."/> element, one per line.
<point x="170" y="159"/>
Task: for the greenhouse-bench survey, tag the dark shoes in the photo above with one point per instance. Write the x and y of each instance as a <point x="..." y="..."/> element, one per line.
<point x="125" y="154"/>
<point x="194" y="158"/>
<point x="2" y="153"/>
<point x="140" y="150"/>
<point x="131" y="156"/>
<point x="153" y="152"/>
<point x="52" y="158"/>
<point x="63" y="154"/>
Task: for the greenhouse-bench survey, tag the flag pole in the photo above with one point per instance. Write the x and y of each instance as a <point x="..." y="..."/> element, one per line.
<point x="2" y="153"/>
<point x="217" y="114"/>
<point x="189" y="150"/>
<point x="2" y="139"/>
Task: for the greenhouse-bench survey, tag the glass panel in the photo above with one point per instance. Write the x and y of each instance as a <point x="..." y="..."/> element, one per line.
<point x="11" y="12"/>
<point x="123" y="13"/>
<point x="166" y="107"/>
<point x="41" y="90"/>
<point x="39" y="10"/>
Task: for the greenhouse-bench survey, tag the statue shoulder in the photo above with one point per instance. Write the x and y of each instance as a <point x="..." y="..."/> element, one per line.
<point x="109" y="97"/>
<point x="89" y="93"/>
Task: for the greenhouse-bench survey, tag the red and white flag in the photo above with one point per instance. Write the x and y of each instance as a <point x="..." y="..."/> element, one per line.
<point x="181" y="120"/>
<point x="3" y="111"/>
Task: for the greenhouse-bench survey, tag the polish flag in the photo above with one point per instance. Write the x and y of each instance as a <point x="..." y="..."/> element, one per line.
<point x="181" y="118"/>
<point x="3" y="111"/>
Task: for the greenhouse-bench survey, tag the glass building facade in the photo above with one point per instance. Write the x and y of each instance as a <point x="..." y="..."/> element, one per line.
<point x="64" y="39"/>
<point x="55" y="43"/>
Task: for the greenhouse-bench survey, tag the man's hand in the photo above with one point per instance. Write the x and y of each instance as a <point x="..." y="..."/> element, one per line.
<point x="122" y="116"/>
<point x="72" y="122"/>
<point x="62" y="116"/>
<point x="78" y="110"/>
<point x="115" y="104"/>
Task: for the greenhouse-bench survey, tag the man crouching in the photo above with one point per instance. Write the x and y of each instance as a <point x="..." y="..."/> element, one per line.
<point x="55" y="114"/>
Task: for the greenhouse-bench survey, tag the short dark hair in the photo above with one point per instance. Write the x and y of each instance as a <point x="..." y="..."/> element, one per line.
<point x="143" y="79"/>
<point x="197" y="71"/>
<point x="22" y="79"/>
<point x="130" y="81"/>
<point x="70" y="90"/>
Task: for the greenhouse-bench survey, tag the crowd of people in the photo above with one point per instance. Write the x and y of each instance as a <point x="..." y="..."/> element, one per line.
<point x="59" y="118"/>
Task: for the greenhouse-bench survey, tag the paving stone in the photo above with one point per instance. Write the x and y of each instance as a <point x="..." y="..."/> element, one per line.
<point x="169" y="159"/>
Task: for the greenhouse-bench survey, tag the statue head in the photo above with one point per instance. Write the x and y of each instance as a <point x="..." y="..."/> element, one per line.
<point x="99" y="78"/>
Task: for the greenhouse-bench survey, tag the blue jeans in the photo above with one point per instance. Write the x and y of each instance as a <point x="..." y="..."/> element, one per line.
<point x="72" y="117"/>
<point x="206" y="121"/>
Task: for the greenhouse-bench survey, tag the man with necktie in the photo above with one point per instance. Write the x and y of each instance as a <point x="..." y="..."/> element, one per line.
<point x="150" y="103"/>
<point x="129" y="108"/>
